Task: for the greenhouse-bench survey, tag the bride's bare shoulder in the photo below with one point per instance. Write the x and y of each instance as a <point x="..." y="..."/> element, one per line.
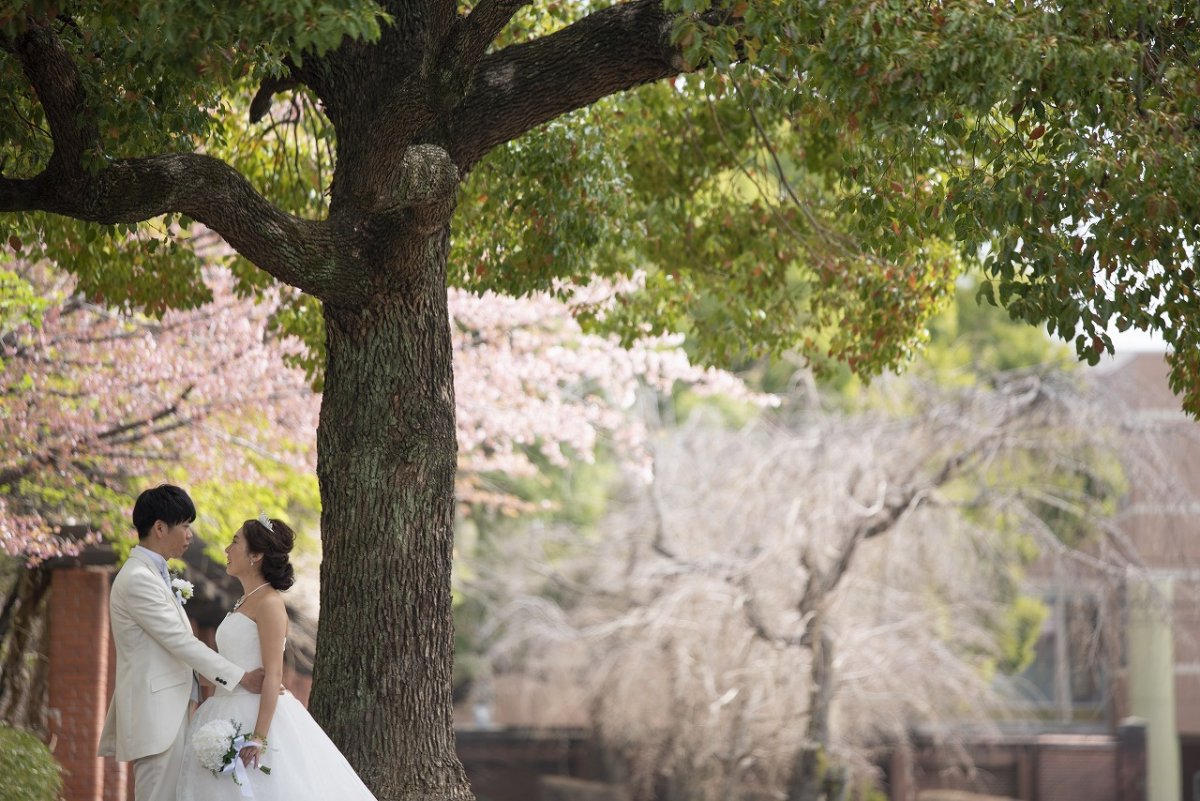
<point x="272" y="610"/>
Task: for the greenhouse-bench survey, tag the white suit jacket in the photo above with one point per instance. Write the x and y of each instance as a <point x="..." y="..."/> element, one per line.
<point x="156" y="654"/>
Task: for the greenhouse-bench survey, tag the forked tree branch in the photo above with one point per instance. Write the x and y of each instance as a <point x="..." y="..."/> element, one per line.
<point x="908" y="497"/>
<point x="473" y="34"/>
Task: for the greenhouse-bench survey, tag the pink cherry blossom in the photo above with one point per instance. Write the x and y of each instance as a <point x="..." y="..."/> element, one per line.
<point x="98" y="401"/>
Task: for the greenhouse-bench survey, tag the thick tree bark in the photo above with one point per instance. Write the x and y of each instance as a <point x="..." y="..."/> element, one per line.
<point x="387" y="453"/>
<point x="23" y="680"/>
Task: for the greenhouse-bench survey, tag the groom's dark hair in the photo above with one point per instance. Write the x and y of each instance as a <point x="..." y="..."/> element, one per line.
<point x="167" y="503"/>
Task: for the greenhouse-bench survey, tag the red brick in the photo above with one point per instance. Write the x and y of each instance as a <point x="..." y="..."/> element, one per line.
<point x="79" y="677"/>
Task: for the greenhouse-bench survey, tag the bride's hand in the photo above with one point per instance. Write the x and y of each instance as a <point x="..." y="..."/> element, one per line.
<point x="249" y="755"/>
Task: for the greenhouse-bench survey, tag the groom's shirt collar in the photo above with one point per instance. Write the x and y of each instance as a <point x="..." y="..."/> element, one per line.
<point x="158" y="561"/>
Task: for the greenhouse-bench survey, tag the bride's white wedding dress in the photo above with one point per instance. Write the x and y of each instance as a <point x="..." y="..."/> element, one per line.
<point x="304" y="762"/>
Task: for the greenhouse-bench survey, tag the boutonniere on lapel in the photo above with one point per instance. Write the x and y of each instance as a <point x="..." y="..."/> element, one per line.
<point x="182" y="588"/>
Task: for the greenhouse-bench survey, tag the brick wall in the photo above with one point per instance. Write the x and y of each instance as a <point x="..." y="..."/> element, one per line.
<point x="1045" y="767"/>
<point x="510" y="765"/>
<point x="1068" y="772"/>
<point x="78" y="682"/>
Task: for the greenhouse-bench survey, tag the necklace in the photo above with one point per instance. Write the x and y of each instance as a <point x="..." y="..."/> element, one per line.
<point x="242" y="600"/>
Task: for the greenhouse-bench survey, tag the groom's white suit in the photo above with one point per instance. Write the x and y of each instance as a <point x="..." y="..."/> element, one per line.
<point x="156" y="656"/>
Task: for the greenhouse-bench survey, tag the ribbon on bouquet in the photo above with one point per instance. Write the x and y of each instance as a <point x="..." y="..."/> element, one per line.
<point x="241" y="776"/>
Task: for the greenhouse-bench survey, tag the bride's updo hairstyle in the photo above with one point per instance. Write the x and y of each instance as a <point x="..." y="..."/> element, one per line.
<point x="273" y="539"/>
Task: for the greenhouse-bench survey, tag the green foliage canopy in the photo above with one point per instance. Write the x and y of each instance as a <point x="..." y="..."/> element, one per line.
<point x="794" y="189"/>
<point x="1053" y="145"/>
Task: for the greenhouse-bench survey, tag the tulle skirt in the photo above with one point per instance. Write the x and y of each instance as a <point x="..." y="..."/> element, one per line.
<point x="305" y="764"/>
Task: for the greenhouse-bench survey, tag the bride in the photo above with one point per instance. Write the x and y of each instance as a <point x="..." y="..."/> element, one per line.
<point x="302" y="762"/>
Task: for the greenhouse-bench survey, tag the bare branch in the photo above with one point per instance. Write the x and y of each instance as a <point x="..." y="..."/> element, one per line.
<point x="758" y="624"/>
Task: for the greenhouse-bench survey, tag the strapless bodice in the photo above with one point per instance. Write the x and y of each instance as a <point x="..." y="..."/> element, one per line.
<point x="237" y="641"/>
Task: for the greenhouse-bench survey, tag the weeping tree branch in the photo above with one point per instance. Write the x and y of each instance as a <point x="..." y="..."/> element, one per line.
<point x="727" y="554"/>
<point x="906" y="499"/>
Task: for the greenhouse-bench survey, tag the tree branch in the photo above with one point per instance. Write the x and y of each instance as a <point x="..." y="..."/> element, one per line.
<point x="148" y="421"/>
<point x="525" y="85"/>
<point x="302" y="253"/>
<point x="758" y="623"/>
<point x="485" y="22"/>
<point x="470" y="37"/>
<point x="265" y="95"/>
<point x="1022" y="400"/>
<point x="53" y="76"/>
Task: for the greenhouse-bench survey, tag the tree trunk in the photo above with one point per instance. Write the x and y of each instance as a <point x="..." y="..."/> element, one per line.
<point x="387" y="455"/>
<point x="814" y="778"/>
<point x="23" y="665"/>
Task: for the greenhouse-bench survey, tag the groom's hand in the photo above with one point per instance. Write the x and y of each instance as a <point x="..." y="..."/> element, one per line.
<point x="253" y="680"/>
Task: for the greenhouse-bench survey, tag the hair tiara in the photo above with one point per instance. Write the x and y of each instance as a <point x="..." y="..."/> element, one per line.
<point x="266" y="522"/>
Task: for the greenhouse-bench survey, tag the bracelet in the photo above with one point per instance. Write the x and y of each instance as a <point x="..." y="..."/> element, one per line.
<point x="255" y="739"/>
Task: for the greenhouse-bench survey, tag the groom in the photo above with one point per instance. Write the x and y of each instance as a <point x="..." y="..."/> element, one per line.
<point x="156" y="650"/>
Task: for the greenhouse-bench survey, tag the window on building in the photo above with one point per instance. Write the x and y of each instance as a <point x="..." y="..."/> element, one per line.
<point x="1068" y="672"/>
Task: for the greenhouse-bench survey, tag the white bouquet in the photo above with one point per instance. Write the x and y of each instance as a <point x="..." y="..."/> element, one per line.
<point x="217" y="744"/>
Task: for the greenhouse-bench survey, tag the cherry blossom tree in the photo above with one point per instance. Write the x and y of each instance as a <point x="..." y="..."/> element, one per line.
<point x="97" y="403"/>
<point x="532" y="382"/>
